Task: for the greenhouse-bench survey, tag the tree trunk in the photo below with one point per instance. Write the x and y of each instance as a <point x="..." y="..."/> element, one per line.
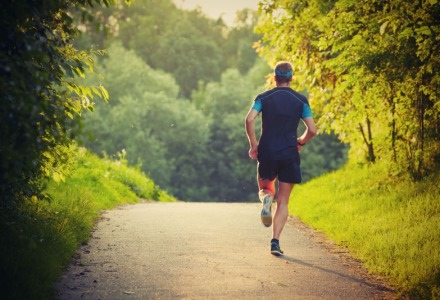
<point x="420" y="142"/>
<point x="368" y="141"/>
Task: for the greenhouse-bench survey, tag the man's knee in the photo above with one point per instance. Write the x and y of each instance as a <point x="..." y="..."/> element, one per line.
<point x="267" y="185"/>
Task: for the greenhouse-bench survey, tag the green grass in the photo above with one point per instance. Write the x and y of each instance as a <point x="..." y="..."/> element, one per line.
<point x="391" y="224"/>
<point x="38" y="240"/>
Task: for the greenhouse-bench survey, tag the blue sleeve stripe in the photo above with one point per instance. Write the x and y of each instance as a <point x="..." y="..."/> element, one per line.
<point x="257" y="105"/>
<point x="307" y="112"/>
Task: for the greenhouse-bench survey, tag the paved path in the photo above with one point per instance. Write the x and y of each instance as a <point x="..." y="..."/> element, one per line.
<point x="208" y="251"/>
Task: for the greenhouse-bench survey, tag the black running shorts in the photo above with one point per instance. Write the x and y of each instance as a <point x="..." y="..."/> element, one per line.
<point x="288" y="171"/>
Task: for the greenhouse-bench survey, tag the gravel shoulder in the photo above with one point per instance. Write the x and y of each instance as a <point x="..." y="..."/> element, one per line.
<point x="210" y="251"/>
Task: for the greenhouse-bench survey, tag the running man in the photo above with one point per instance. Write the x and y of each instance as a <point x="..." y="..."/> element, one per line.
<point x="278" y="149"/>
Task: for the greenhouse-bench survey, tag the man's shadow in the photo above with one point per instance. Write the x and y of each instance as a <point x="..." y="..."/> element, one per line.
<point x="345" y="276"/>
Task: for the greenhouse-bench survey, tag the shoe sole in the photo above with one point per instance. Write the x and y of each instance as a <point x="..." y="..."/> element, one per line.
<point x="267" y="220"/>
<point x="276" y="253"/>
<point x="266" y="215"/>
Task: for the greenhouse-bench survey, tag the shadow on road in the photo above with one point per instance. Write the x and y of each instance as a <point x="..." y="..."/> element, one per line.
<point x="342" y="275"/>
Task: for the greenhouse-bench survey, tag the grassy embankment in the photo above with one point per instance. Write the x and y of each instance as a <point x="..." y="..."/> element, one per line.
<point x="38" y="241"/>
<point x="391" y="224"/>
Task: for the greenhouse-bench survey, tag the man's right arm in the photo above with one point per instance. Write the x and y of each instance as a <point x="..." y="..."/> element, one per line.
<point x="310" y="131"/>
<point x="250" y="132"/>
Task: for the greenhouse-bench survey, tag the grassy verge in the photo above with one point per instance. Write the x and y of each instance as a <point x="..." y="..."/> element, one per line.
<point x="38" y="240"/>
<point x="391" y="224"/>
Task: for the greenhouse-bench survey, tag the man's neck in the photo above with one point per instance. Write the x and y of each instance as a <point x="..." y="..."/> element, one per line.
<point x="283" y="84"/>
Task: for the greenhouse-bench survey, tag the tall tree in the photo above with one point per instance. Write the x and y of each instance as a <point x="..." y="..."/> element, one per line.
<point x="145" y="118"/>
<point x="38" y="96"/>
<point x="186" y="43"/>
<point x="238" y="48"/>
<point x="184" y="53"/>
<point x="368" y="67"/>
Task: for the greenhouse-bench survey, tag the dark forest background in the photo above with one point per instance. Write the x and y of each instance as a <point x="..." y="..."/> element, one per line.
<point x="179" y="87"/>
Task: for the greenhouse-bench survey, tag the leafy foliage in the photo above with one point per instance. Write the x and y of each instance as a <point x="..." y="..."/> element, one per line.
<point x="45" y="234"/>
<point x="39" y="100"/>
<point x="145" y="117"/>
<point x="369" y="69"/>
<point x="187" y="44"/>
<point x="388" y="222"/>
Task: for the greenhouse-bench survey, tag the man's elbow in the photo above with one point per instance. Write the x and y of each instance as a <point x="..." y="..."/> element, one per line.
<point x="249" y="121"/>
<point x="312" y="131"/>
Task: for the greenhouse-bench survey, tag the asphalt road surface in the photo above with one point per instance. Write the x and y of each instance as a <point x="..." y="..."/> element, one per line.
<point x="210" y="251"/>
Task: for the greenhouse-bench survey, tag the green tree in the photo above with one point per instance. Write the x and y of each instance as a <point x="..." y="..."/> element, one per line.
<point x="238" y="48"/>
<point x="183" y="52"/>
<point x="39" y="100"/>
<point x="167" y="136"/>
<point x="368" y="67"/>
<point x="185" y="43"/>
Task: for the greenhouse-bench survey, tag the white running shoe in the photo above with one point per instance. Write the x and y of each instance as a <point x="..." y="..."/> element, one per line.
<point x="266" y="212"/>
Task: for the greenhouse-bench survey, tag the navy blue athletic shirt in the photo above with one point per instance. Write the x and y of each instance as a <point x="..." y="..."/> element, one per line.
<point x="281" y="108"/>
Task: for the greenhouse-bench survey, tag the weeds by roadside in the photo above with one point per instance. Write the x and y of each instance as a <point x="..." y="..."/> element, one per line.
<point x="390" y="223"/>
<point x="39" y="238"/>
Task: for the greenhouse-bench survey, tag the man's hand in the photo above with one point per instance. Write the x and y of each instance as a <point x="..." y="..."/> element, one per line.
<point x="300" y="143"/>
<point x="253" y="153"/>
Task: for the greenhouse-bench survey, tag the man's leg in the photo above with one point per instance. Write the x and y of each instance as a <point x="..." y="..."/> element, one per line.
<point x="266" y="185"/>
<point x="281" y="213"/>
<point x="266" y="194"/>
<point x="280" y="217"/>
